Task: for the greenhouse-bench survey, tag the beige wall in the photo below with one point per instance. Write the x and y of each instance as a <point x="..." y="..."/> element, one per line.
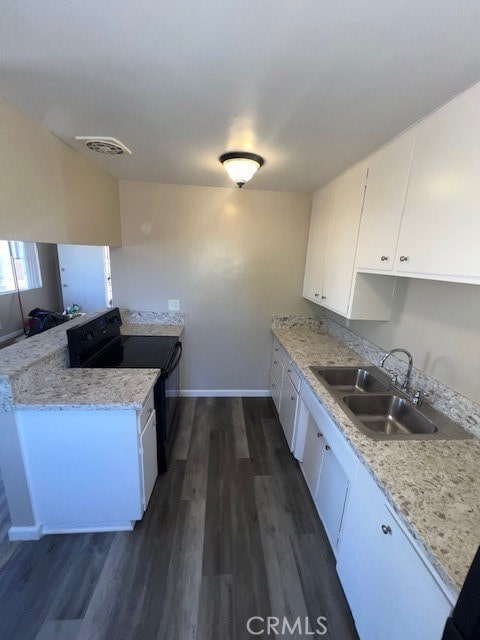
<point x="47" y="297"/>
<point x="232" y="257"/>
<point x="438" y="322"/>
<point x="50" y="193"/>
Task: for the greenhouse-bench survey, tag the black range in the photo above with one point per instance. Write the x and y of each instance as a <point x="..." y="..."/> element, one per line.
<point x="98" y="344"/>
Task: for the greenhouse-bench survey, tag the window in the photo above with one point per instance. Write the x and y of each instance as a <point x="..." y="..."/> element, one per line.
<point x="23" y="257"/>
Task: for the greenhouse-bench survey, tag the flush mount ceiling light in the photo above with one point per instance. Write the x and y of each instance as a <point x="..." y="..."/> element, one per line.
<point x="241" y="166"/>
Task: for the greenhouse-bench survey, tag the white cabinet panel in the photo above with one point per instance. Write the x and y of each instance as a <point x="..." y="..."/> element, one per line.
<point x="84" y="474"/>
<point x="148" y="459"/>
<point x="342" y="239"/>
<point x="331" y="495"/>
<point x="288" y="409"/>
<point x="440" y="230"/>
<point x="390" y="590"/>
<point x="388" y="172"/>
<point x="317" y="243"/>
<point x="312" y="455"/>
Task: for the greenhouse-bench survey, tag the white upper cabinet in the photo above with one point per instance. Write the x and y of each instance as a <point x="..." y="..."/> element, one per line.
<point x="440" y="232"/>
<point x="388" y="172"/>
<point x="349" y="190"/>
<point x="317" y="243"/>
<point x="330" y="278"/>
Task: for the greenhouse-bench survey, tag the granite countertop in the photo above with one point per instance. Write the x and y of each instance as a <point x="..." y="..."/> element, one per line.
<point x="102" y="389"/>
<point x="174" y="330"/>
<point x="433" y="485"/>
<point x="35" y="374"/>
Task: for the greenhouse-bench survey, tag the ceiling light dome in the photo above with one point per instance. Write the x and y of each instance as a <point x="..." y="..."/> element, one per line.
<point x="241" y="166"/>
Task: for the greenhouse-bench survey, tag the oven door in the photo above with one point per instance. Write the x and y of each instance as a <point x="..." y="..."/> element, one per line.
<point x="167" y="391"/>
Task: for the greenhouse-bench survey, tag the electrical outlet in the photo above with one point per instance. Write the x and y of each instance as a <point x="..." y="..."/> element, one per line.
<point x="174" y="305"/>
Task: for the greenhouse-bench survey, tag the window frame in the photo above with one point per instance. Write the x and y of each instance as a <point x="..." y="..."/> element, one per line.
<point x="36" y="276"/>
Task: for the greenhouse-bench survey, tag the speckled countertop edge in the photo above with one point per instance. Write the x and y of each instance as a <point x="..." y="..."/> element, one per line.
<point x="87" y="389"/>
<point x="433" y="486"/>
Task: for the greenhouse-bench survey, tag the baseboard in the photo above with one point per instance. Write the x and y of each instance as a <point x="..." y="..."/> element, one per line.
<point x="116" y="526"/>
<point x="10" y="336"/>
<point x="25" y="533"/>
<point x="225" y="393"/>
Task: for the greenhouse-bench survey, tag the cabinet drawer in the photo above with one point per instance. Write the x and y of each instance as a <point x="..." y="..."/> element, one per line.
<point x="275" y="392"/>
<point x="293" y="375"/>
<point x="277" y="368"/>
<point x="147" y="411"/>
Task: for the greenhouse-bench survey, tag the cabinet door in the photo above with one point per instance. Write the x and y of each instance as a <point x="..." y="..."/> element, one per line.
<point x="388" y="172"/>
<point x="331" y="495"/>
<point x="342" y="239"/>
<point x="288" y="409"/>
<point x="440" y="230"/>
<point x="317" y="243"/>
<point x="148" y="459"/>
<point x="391" y="592"/>
<point x="312" y="455"/>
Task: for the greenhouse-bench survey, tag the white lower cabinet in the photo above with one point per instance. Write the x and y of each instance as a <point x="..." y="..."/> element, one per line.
<point x="94" y="471"/>
<point x="148" y="458"/>
<point x="327" y="462"/>
<point x="331" y="494"/>
<point x="285" y="384"/>
<point x="288" y="409"/>
<point x="311" y="461"/>
<point x="391" y="590"/>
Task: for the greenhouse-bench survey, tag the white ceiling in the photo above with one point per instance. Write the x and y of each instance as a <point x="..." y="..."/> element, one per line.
<point x="312" y="85"/>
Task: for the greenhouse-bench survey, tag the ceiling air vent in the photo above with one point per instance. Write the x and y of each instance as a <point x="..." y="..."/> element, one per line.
<point x="104" y="144"/>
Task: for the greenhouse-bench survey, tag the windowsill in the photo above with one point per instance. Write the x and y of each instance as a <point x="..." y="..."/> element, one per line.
<point x="7" y="293"/>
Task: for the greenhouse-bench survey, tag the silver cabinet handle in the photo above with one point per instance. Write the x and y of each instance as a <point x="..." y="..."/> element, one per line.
<point x="275" y="362"/>
<point x="319" y="435"/>
<point x="384" y="258"/>
<point x="293" y="398"/>
<point x="64" y="285"/>
<point x="386" y="529"/>
<point x="316" y="295"/>
<point x="327" y="448"/>
<point x="324" y="297"/>
<point x="403" y="258"/>
<point x="289" y="371"/>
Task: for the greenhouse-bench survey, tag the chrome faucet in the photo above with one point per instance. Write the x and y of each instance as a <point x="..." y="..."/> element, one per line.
<point x="406" y="382"/>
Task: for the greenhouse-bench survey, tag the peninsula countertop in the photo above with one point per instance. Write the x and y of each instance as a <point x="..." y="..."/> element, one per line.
<point x="35" y="373"/>
<point x="434" y="485"/>
<point x="89" y="389"/>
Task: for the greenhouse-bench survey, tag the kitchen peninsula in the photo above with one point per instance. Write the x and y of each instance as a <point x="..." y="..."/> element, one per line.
<point x="72" y="456"/>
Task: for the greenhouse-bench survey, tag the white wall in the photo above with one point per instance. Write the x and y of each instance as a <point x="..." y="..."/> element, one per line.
<point x="50" y="193"/>
<point x="233" y="258"/>
<point x="438" y="322"/>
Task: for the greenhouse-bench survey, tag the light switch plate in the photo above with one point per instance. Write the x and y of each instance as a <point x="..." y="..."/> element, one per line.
<point x="174" y="305"/>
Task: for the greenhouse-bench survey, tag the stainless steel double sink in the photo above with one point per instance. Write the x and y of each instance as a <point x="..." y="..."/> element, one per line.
<point x="380" y="410"/>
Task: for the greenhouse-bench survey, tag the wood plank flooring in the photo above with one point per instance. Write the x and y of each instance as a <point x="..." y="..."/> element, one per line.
<point x="230" y="533"/>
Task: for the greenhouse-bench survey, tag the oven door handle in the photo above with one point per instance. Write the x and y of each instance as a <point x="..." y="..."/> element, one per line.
<point x="174" y="360"/>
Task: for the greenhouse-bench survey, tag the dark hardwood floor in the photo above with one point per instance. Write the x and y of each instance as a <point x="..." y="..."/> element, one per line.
<point x="230" y="533"/>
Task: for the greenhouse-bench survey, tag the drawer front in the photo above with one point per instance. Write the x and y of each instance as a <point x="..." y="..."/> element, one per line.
<point x="277" y="370"/>
<point x="275" y="392"/>
<point x="293" y="375"/>
<point x="147" y="411"/>
<point x="278" y="352"/>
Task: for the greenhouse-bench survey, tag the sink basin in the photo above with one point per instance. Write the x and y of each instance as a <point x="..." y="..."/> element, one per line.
<point x="350" y="379"/>
<point x="389" y="414"/>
